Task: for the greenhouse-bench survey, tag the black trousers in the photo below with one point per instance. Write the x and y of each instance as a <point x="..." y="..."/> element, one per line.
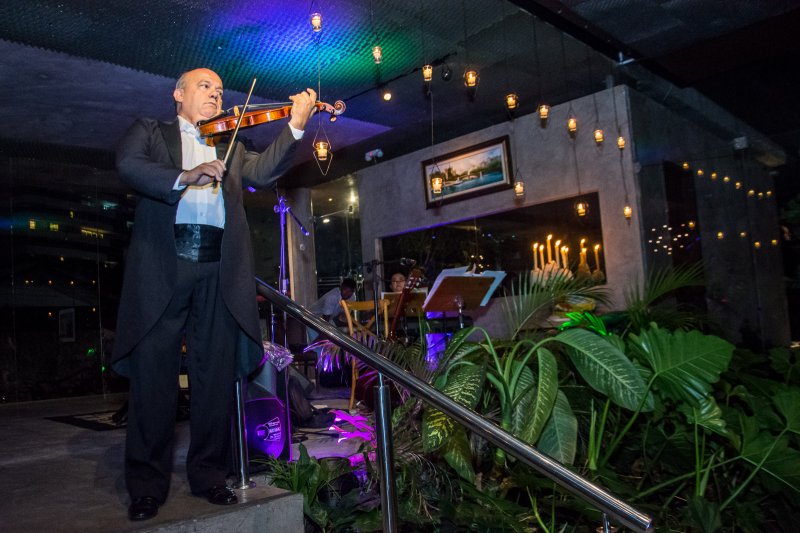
<point x="198" y="309"/>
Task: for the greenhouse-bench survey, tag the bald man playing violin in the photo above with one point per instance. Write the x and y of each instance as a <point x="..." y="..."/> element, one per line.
<point x="189" y="276"/>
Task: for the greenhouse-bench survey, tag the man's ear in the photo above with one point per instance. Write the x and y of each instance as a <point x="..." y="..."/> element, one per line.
<point x="177" y="94"/>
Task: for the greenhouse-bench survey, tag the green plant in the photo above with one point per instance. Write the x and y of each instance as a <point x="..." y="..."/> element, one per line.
<point x="649" y="303"/>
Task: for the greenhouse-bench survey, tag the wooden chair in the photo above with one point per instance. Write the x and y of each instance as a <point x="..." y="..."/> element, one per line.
<point x="353" y="326"/>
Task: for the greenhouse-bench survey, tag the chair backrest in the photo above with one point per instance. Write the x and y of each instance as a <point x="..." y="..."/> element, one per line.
<point x="365" y="305"/>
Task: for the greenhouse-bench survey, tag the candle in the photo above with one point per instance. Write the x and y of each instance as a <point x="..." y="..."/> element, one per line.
<point x="557" y="250"/>
<point x="535" y="262"/>
<point x="541" y="255"/>
<point x="549" y="257"/>
<point x="322" y="150"/>
<point x="583" y="256"/>
<point x="582" y="241"/>
<point x="597" y="256"/>
<point x="564" y="256"/>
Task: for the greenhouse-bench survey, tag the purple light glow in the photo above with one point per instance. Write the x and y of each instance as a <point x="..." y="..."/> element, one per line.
<point x="251" y="189"/>
<point x="437" y="342"/>
<point x="362" y="428"/>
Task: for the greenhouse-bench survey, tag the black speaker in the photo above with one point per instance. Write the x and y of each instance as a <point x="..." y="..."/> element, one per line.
<point x="268" y="430"/>
<point x="266" y="413"/>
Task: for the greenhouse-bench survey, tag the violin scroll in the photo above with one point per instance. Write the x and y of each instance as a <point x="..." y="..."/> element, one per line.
<point x="333" y="110"/>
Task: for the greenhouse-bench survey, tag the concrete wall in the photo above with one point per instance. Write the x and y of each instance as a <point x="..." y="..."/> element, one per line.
<point x="392" y="194"/>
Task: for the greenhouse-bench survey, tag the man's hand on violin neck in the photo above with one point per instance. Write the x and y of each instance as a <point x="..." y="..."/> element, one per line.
<point x="302" y="108"/>
<point x="204" y="173"/>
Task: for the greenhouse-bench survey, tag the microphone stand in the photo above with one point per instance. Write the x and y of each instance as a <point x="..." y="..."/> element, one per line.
<point x="242" y="455"/>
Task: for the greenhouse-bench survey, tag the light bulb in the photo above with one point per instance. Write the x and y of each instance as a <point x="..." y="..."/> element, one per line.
<point x="511" y="101"/>
<point x="427" y="72"/>
<point x="436" y="185"/>
<point x="471" y="78"/>
<point x="321" y="148"/>
<point x="377" y="54"/>
<point x="316" y="22"/>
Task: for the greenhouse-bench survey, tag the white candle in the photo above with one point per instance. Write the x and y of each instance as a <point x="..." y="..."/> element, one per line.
<point x="557" y="251"/>
<point x="535" y="259"/>
<point x="549" y="256"/>
<point x="564" y="257"/>
<point x="541" y="255"/>
<point x="597" y="256"/>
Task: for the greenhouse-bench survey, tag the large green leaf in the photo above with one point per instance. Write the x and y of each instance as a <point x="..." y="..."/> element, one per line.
<point x="707" y="415"/>
<point x="560" y="435"/>
<point x="458" y="455"/>
<point x="531" y="421"/>
<point x="788" y="403"/>
<point x="464" y="385"/>
<point x="606" y="368"/>
<point x="523" y="401"/>
<point x="774" y="455"/>
<point x="684" y="364"/>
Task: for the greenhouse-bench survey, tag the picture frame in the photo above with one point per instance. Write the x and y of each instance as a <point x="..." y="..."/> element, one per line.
<point x="469" y="172"/>
<point x="66" y="325"/>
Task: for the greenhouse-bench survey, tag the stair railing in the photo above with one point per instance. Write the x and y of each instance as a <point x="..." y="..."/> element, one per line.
<point x="581" y="487"/>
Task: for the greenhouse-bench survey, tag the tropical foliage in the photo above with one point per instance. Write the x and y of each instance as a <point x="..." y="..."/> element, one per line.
<point x="675" y="421"/>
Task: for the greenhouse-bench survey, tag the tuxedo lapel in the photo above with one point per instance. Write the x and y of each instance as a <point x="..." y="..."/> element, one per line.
<point x="172" y="138"/>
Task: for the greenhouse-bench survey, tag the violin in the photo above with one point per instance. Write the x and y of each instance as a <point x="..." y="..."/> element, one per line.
<point x="226" y="122"/>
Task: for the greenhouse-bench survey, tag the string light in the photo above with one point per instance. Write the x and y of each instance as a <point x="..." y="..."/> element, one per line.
<point x="519" y="189"/>
<point x="436" y="184"/>
<point x="757" y="245"/>
<point x="621" y="143"/>
<point x="471" y="78"/>
<point x="427" y="73"/>
<point x="627" y="211"/>
<point x="700" y="172"/>
<point x="720" y="235"/>
<point x="572" y="126"/>
<point x="321" y="150"/>
<point x="726" y="179"/>
<point x="713" y="176"/>
<point x="581" y="207"/>
<point x="598" y="137"/>
<point x="511" y="101"/>
<point x="316" y="22"/>
<point x="685" y="165"/>
<point x="377" y="54"/>
<point x="544" y="113"/>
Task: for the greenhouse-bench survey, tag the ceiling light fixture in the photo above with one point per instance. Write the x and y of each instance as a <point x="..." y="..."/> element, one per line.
<point x="316" y="22"/>
<point x="512" y="101"/>
<point x="427" y="73"/>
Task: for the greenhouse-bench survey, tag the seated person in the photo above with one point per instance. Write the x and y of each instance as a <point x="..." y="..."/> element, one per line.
<point x="328" y="306"/>
<point x="397" y="282"/>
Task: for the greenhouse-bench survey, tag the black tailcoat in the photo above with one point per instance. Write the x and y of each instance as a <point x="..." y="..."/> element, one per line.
<point x="149" y="160"/>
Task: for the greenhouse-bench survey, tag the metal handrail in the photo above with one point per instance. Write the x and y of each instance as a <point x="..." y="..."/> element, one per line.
<point x="620" y="511"/>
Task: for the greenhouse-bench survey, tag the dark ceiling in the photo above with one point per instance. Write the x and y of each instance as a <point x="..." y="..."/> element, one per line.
<point x="79" y="72"/>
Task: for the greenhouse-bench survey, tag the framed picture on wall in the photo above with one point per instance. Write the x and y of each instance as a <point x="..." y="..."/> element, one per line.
<point x="467" y="173"/>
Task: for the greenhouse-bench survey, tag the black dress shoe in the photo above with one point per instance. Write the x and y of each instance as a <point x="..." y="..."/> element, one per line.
<point x="143" y="508"/>
<point x="219" y="495"/>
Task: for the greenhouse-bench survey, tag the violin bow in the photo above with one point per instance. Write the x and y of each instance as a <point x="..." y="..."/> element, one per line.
<point x="235" y="131"/>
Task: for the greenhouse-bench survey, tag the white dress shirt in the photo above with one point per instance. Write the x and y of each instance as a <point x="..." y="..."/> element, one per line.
<point x="201" y="205"/>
